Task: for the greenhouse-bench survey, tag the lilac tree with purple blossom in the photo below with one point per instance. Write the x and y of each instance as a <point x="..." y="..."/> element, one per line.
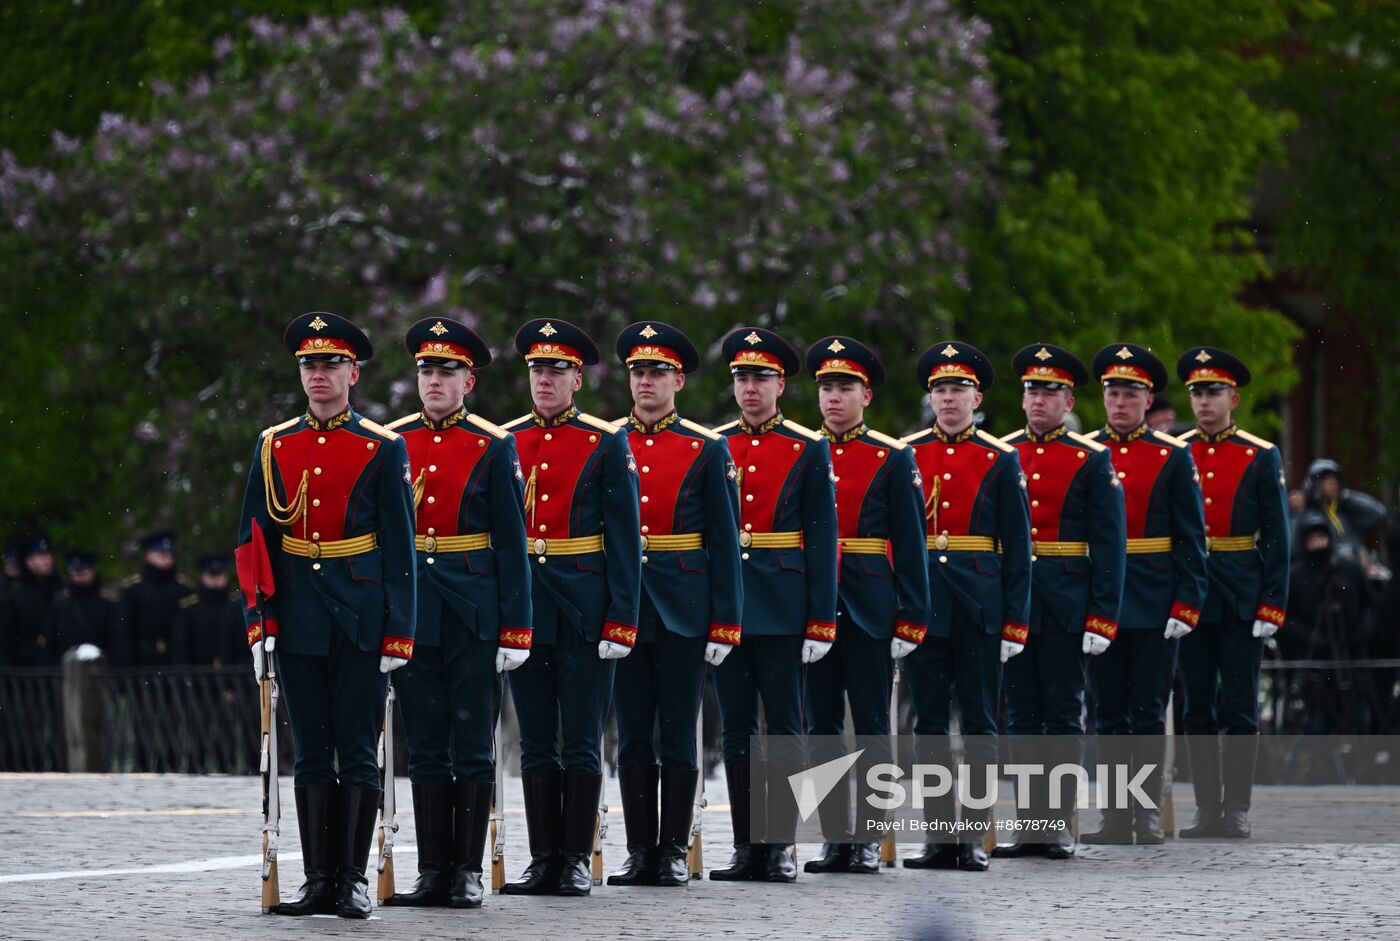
<point x="607" y="163"/>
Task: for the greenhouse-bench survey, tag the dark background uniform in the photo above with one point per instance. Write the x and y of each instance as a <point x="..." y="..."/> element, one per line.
<point x="29" y="609"/>
<point x="788" y="549"/>
<point x="692" y="595"/>
<point x="979" y="558"/>
<point x="342" y="560"/>
<point x="581" y="518"/>
<point x="149" y="602"/>
<point x="473" y="597"/>
<point x="1247" y="535"/>
<point x="1165" y="578"/>
<point x="1077" y="546"/>
<point x="209" y="623"/>
<point x="882" y="594"/>
<point x="87" y="613"/>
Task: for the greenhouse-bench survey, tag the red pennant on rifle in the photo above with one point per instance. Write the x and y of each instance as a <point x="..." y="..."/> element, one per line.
<point x="254" y="568"/>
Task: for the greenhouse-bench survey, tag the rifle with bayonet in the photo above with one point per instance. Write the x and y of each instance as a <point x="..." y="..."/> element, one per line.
<point x="388" y="820"/>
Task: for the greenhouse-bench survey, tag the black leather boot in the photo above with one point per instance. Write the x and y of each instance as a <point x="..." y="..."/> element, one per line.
<point x="742" y="864"/>
<point x="677" y="807"/>
<point x="1147" y="821"/>
<point x="1241" y="752"/>
<point x="1117" y="824"/>
<point x="581" y="793"/>
<point x="1037" y="806"/>
<point x="941" y="851"/>
<point x="317" y="820"/>
<point x="972" y="850"/>
<point x="359" y="806"/>
<point x="781" y="863"/>
<point x="834" y="857"/>
<point x="1205" y="781"/>
<point x="864" y="859"/>
<point x="432" y="821"/>
<point x="639" y="813"/>
<point x="934" y="856"/>
<point x="471" y="801"/>
<point x="543" y="795"/>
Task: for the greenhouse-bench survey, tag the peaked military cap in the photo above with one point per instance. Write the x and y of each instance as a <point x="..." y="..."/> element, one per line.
<point x="754" y="349"/>
<point x="162" y="540"/>
<point x="1044" y="364"/>
<point x="1131" y="365"/>
<point x="80" y="560"/>
<point x="955" y="361"/>
<point x="845" y="358"/>
<point x="556" y="343"/>
<point x="1212" y="366"/>
<point x="441" y="341"/>
<point x="658" y="345"/>
<point x="326" y="336"/>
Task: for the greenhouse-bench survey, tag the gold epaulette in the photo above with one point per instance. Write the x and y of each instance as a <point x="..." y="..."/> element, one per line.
<point x="186" y="581"/>
<point x="276" y="428"/>
<point x="621" y="422"/>
<point x="189" y="601"/>
<point x="801" y="430"/>
<point x="379" y="429"/>
<point x="130" y="580"/>
<point x="400" y="422"/>
<point x="910" y="439"/>
<point x="1018" y="431"/>
<point x="700" y="429"/>
<point x="528" y="417"/>
<point x="602" y="424"/>
<point x="1188" y="435"/>
<point x="886" y="440"/>
<point x="1171" y="440"/>
<point x="1087" y="441"/>
<point x="994" y="441"/>
<point x="1255" y="440"/>
<point x="1094" y="435"/>
<point x="720" y="430"/>
<point x="486" y="426"/>
<point x="111" y="594"/>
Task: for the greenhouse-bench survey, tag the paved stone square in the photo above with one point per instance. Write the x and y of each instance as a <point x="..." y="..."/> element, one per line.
<point x="165" y="856"/>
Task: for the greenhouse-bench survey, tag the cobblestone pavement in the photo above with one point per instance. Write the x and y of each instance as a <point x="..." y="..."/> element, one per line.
<point x="165" y="856"/>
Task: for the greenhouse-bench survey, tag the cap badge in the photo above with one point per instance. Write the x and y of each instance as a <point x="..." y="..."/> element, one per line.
<point x="950" y="351"/>
<point x="836" y="346"/>
<point x="753" y="338"/>
<point x="1043" y="355"/>
<point x="647" y="332"/>
<point x="1202" y="357"/>
<point x="1124" y="353"/>
<point x="437" y="329"/>
<point x="548" y="330"/>
<point x="318" y="323"/>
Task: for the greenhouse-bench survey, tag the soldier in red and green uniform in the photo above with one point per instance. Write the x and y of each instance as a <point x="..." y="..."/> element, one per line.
<point x="581" y="521"/>
<point x="473" y="610"/>
<point x="692" y="595"/>
<point x="332" y="494"/>
<point x="978" y="539"/>
<point x="1247" y="535"/>
<point x="1164" y="583"/>
<point x="882" y="596"/>
<point x="787" y="508"/>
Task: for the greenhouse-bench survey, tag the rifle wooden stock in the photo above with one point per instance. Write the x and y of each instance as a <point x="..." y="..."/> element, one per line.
<point x="887" y="847"/>
<point x="695" y="856"/>
<point x="386" y="875"/>
<point x="271" y="893"/>
<point x="600" y="830"/>
<point x="498" y="816"/>
<point x="388" y="807"/>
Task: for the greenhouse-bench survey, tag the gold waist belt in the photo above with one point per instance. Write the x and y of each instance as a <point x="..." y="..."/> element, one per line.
<point x="864" y="546"/>
<point x="330" y="548"/>
<point x="962" y="543"/>
<point x="673" y="542"/>
<point x="467" y="543"/>
<point x="580" y="546"/>
<point x="1060" y="548"/>
<point x="1230" y="543"/>
<point x="792" y="540"/>
<point x="1146" y="546"/>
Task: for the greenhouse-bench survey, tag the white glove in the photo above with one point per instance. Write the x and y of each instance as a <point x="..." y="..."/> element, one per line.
<point x="1095" y="644"/>
<point x="508" y="658"/>
<point x="715" y="653"/>
<point x="607" y="650"/>
<point x="1009" y="649"/>
<point x="259" y="670"/>
<point x="901" y="648"/>
<point x="389" y="664"/>
<point x="814" y="650"/>
<point x="1265" y="629"/>
<point x="1176" y="628"/>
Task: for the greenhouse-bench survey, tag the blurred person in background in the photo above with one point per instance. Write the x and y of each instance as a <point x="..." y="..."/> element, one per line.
<point x="1352" y="515"/>
<point x="208" y="629"/>
<point x="30" y="602"/>
<point x="150" y="600"/>
<point x="1161" y="415"/>
<point x="83" y="613"/>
